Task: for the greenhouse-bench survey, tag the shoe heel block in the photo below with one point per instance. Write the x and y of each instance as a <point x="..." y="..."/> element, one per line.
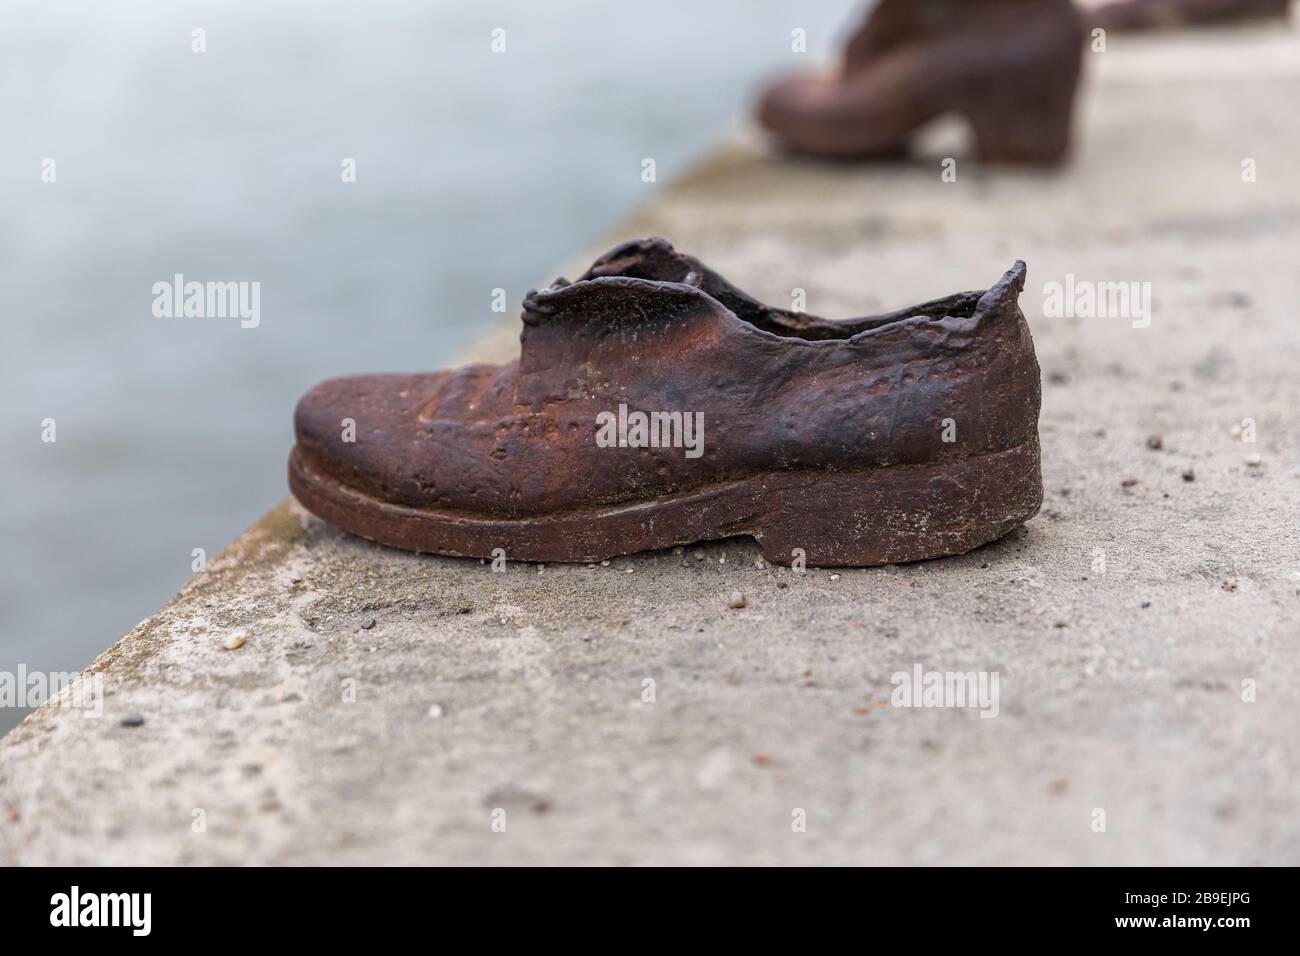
<point x="901" y="513"/>
<point x="1025" y="114"/>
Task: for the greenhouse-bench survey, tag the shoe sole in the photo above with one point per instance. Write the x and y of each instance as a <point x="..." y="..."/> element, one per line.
<point x="838" y="519"/>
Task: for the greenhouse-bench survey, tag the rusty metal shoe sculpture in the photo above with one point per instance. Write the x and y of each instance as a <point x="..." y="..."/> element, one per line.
<point x="655" y="404"/>
<point x="1010" y="67"/>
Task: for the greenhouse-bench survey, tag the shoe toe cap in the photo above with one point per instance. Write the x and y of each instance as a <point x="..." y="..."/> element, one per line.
<point x="365" y="431"/>
<point x="793" y="100"/>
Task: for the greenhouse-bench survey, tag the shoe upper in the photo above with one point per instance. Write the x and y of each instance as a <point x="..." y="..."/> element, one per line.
<point x="655" y="331"/>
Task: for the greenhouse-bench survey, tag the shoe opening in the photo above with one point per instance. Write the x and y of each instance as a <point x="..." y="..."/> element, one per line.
<point x="655" y="259"/>
<point x="801" y="325"/>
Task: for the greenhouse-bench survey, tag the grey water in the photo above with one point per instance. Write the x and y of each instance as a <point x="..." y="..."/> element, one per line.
<point x="130" y="155"/>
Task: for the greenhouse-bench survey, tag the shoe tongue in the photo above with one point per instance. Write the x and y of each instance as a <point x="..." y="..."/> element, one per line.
<point x="654" y="259"/>
<point x="649" y="261"/>
<point x="582" y="339"/>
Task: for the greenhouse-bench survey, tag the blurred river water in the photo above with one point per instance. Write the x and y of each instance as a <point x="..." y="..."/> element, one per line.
<point x="377" y="169"/>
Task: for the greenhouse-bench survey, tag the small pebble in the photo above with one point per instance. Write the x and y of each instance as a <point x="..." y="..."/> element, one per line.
<point x="435" y="711"/>
<point x="1189" y="475"/>
<point x="367" y="624"/>
<point x="835" y="577"/>
<point x="1236" y="431"/>
<point x="1146" y="604"/>
<point x="132" y="720"/>
<point x="699" y="555"/>
<point x="1155" y="442"/>
<point x="236" y="639"/>
<point x="1254" y="459"/>
<point x="604" y="564"/>
<point x="1128" y="482"/>
<point x="737" y="599"/>
<point x="781" y="584"/>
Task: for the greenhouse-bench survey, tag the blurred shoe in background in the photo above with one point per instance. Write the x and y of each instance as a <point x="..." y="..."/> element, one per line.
<point x="1010" y="67"/>
<point x="1159" y="14"/>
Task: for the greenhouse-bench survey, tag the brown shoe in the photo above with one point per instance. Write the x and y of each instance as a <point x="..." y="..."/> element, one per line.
<point x="1159" y="14"/>
<point x="655" y="404"/>
<point x="1010" y="67"/>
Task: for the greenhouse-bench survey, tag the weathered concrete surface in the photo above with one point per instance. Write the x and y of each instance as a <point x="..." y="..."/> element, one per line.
<point x="1105" y="702"/>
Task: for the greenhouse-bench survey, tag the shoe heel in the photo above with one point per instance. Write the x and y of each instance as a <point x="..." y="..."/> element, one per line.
<point x="899" y="514"/>
<point x="1031" y="127"/>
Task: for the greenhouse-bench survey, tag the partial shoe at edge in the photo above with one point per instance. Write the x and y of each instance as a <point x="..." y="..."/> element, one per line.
<point x="1164" y="14"/>
<point x="1009" y="67"/>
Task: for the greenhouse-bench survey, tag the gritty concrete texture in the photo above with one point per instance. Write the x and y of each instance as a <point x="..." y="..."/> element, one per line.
<point x="385" y="706"/>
